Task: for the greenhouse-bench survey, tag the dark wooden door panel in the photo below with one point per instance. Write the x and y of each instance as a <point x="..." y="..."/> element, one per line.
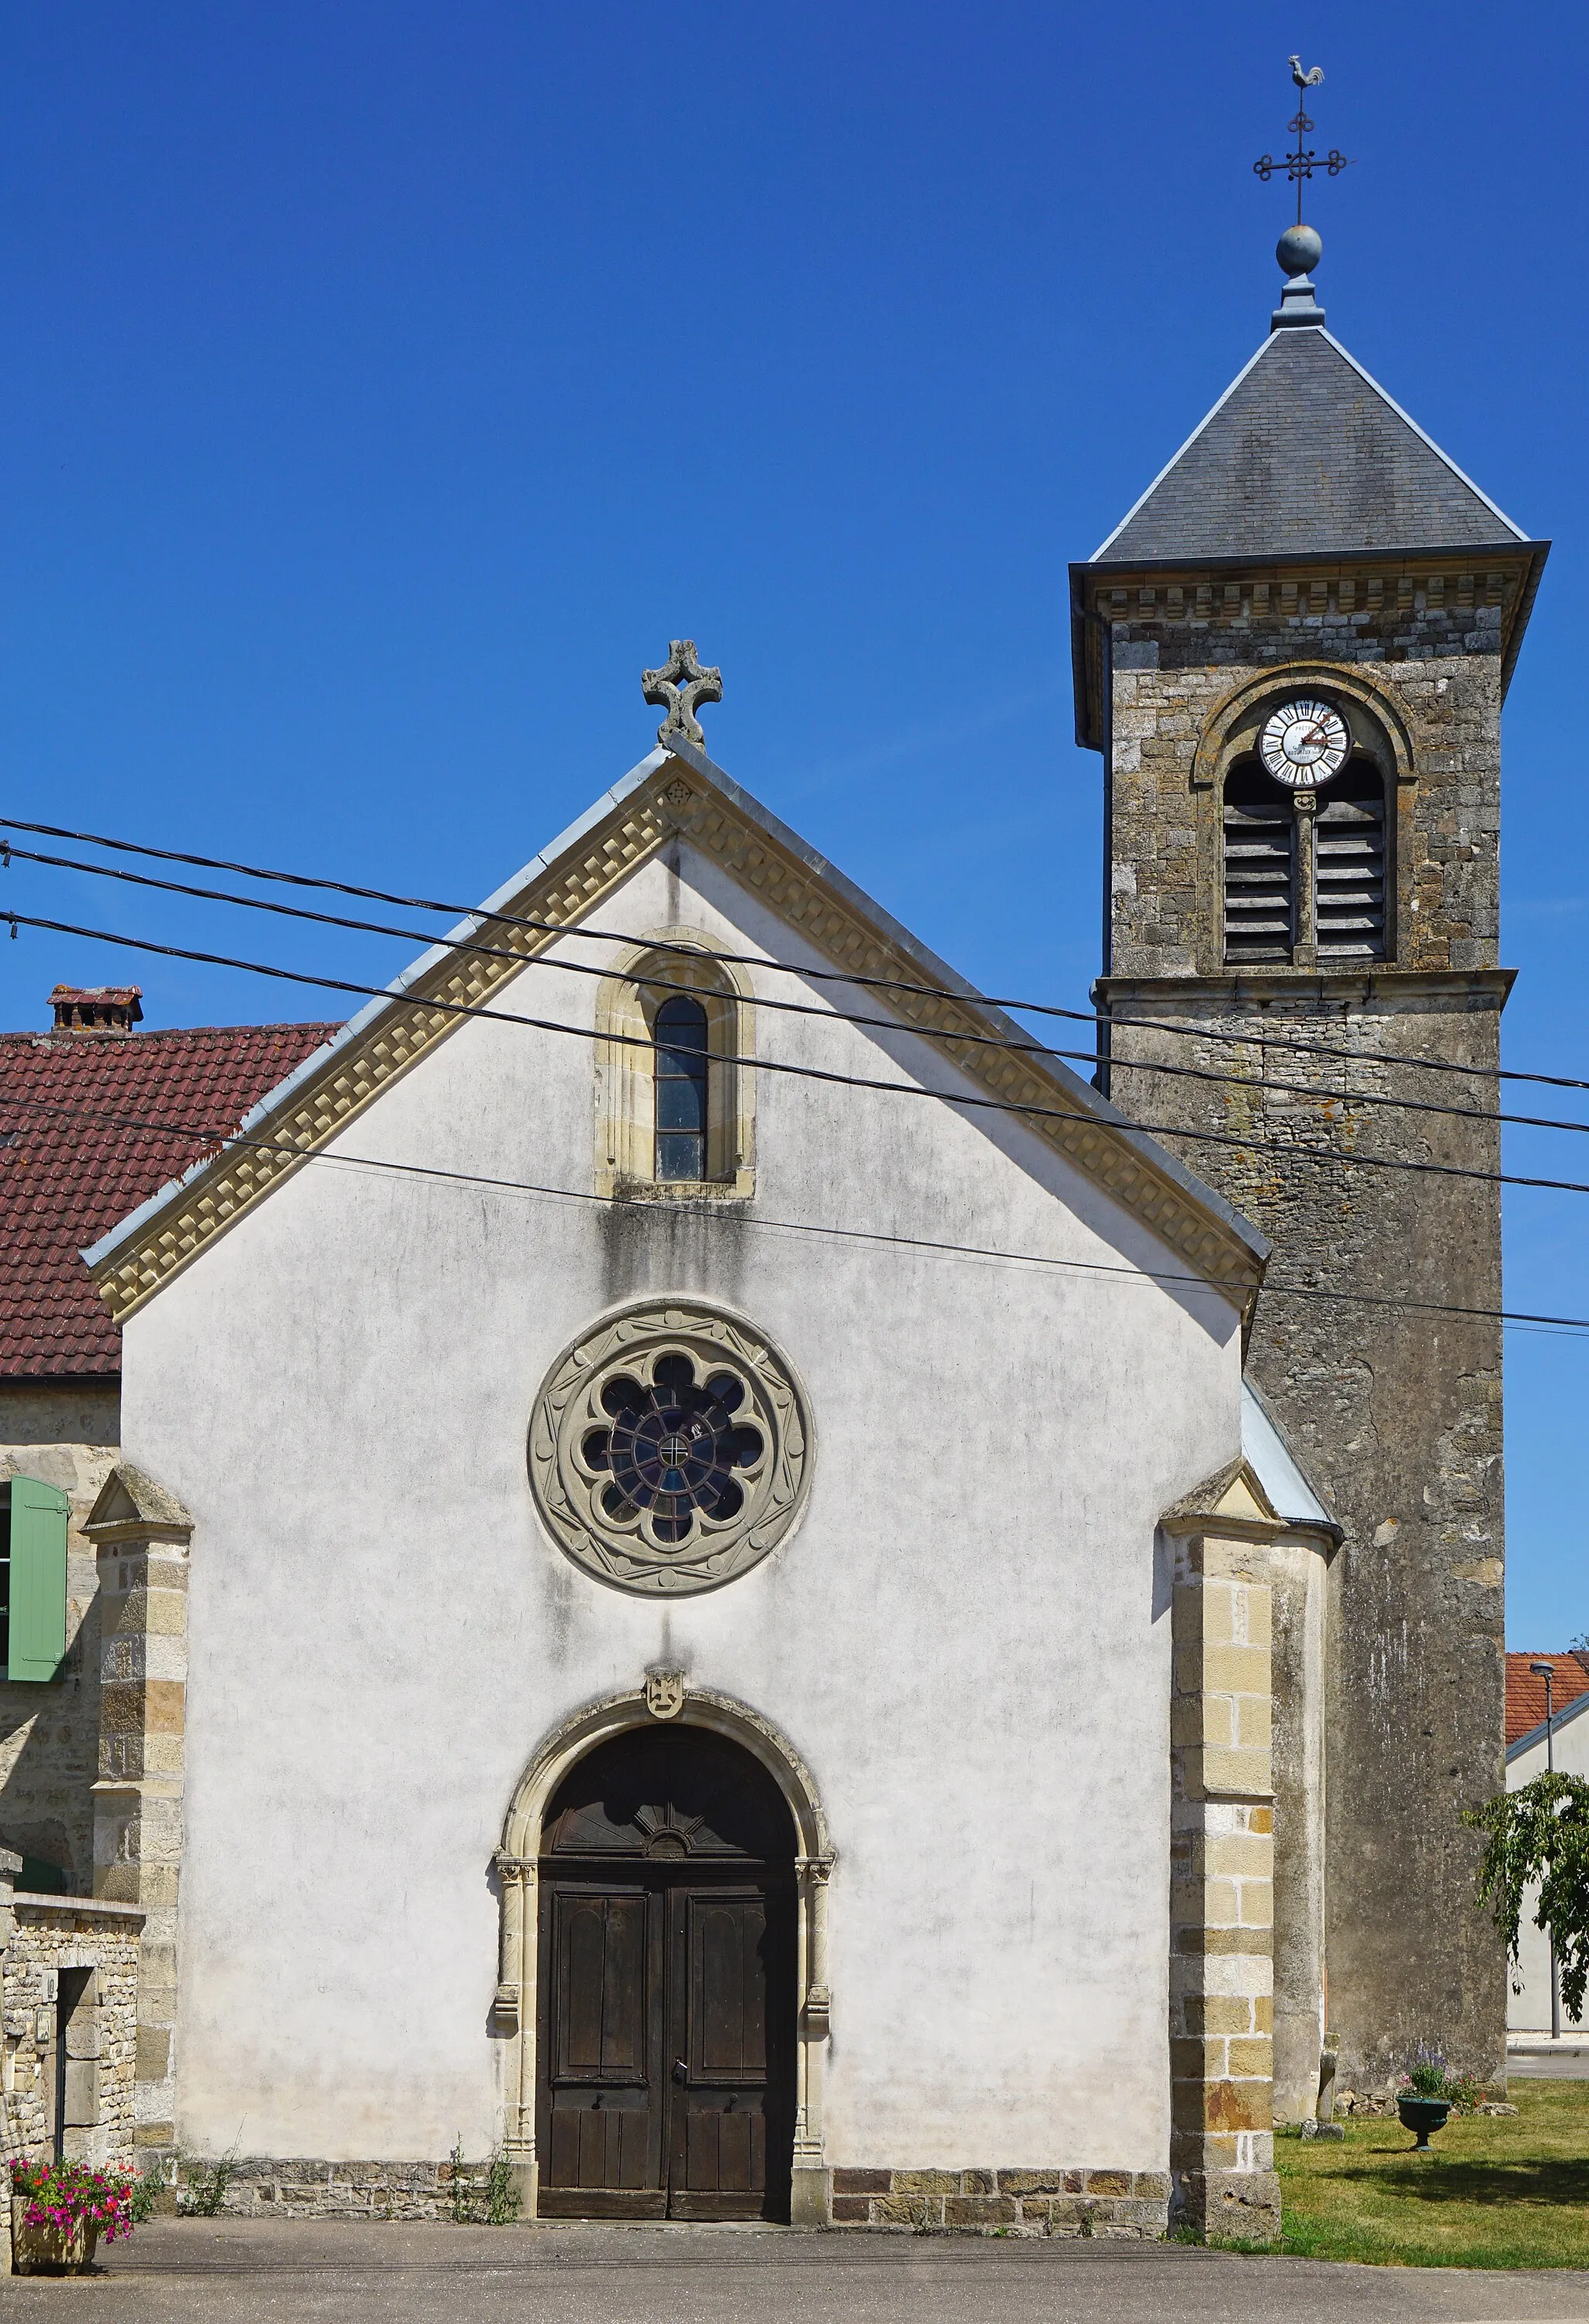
<point x="728" y="2099"/>
<point x="603" y="2103"/>
<point x="600" y="1951"/>
<point x="727" y="1950"/>
<point x="601" y="2143"/>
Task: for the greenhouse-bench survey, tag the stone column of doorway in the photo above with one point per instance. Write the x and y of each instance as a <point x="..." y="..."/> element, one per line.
<point x="141" y="1535"/>
<point x="512" y="2013"/>
<point x="1222" y="1872"/>
<point x="811" y="2181"/>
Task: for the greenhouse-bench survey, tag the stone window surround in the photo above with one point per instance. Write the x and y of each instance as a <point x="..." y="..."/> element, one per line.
<point x="626" y="1101"/>
<point x="1230" y="733"/>
<point x="517" y="1864"/>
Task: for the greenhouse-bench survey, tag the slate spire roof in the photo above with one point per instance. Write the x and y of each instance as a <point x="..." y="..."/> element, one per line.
<point x="1306" y="456"/>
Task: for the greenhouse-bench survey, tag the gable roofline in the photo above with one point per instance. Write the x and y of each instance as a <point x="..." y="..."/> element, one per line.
<point x="313" y="1066"/>
<point x="659" y="798"/>
<point x="1097" y="557"/>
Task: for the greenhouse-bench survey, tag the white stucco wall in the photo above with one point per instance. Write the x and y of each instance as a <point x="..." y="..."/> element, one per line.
<point x="966" y="1638"/>
<point x="1529" y="2012"/>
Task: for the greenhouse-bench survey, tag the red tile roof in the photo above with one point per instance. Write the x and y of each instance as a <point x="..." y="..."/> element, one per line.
<point x="92" y="1124"/>
<point x="1525" y="1691"/>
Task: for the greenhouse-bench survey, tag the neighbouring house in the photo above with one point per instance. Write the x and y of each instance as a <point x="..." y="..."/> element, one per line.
<point x="1528" y="1751"/>
<point x="95" y="1117"/>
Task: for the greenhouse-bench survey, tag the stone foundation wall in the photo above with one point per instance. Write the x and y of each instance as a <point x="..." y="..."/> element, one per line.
<point x="1129" y="2205"/>
<point x="272" y="2187"/>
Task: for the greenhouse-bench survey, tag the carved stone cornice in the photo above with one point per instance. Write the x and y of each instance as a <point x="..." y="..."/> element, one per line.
<point x="685" y="793"/>
<point x="1263" y="593"/>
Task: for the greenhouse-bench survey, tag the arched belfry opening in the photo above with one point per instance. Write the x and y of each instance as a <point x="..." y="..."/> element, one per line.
<point x="1304" y="869"/>
<point x="667" y="1983"/>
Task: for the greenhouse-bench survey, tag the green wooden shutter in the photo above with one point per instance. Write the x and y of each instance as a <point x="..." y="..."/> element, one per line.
<point x="38" y="1580"/>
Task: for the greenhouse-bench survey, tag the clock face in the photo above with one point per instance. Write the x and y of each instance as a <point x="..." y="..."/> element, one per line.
<point x="1304" y="743"/>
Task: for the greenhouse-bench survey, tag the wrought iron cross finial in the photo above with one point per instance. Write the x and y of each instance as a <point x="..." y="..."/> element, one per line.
<point x="677" y="686"/>
<point x="1303" y="163"/>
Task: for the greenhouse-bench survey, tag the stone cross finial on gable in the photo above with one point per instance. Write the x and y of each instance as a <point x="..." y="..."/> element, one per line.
<point x="677" y="686"/>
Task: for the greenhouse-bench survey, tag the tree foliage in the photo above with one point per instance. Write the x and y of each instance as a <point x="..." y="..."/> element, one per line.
<point x="1540" y="1834"/>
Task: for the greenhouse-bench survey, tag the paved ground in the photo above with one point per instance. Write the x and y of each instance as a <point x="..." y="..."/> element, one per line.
<point x="1542" y="2065"/>
<point x="185" y="2271"/>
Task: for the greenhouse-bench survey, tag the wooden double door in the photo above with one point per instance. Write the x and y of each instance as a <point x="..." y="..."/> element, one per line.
<point x="666" y="1981"/>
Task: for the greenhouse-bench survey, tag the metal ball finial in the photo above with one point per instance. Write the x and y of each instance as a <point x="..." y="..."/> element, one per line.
<point x="1298" y="250"/>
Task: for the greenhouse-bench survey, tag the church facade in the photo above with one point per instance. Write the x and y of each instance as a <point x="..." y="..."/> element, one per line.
<point x="717" y="1576"/>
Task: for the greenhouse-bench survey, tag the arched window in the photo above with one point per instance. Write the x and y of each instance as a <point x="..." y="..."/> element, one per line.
<point x="1350" y="864"/>
<point x="675" y="1095"/>
<point x="681" y="1086"/>
<point x="1260" y="867"/>
<point x="1277" y="901"/>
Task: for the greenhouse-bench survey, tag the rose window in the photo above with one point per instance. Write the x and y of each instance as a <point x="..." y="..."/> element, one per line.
<point x="670" y="1448"/>
<point x="673" y="1447"/>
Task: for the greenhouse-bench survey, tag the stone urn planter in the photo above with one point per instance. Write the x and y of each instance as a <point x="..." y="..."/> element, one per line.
<point x="48" y="2250"/>
<point x="1422" y="2115"/>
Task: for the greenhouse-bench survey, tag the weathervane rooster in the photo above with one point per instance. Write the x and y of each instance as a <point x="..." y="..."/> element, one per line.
<point x="1302" y="163"/>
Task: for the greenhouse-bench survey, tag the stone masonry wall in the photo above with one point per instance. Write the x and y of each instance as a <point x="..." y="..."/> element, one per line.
<point x="51" y="1935"/>
<point x="1124" y="2205"/>
<point x="1395" y="1411"/>
<point x="1119" y="2205"/>
<point x="50" y="1734"/>
<point x="1395" y="1414"/>
<point x="273" y="2187"/>
<point x="1440" y="662"/>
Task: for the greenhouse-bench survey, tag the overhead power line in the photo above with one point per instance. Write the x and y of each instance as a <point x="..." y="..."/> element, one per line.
<point x="225" y="1139"/>
<point x="787" y="968"/>
<point x="797" y="1008"/>
<point x="1289" y="1149"/>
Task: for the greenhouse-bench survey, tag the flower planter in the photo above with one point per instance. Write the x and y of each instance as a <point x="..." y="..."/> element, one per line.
<point x="1422" y="2115"/>
<point x="46" y="2249"/>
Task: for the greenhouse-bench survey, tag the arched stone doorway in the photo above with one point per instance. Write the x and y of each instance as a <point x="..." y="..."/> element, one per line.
<point x="517" y="2011"/>
<point x="667" y="1942"/>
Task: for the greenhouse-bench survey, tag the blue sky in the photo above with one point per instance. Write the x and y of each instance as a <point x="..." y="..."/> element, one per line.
<point x="384" y="385"/>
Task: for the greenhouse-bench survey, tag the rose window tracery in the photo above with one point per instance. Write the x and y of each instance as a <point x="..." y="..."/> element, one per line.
<point x="670" y="1448"/>
<point x="673" y="1447"/>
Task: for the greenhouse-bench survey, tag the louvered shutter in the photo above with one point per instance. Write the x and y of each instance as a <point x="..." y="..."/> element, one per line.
<point x="38" y="1580"/>
<point x="1350" y="860"/>
<point x="1260" y="855"/>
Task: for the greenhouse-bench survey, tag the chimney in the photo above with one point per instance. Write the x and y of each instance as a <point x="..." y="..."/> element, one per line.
<point x="101" y="1008"/>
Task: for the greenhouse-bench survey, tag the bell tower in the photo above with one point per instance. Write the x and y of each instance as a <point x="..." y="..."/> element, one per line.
<point x="1292" y="654"/>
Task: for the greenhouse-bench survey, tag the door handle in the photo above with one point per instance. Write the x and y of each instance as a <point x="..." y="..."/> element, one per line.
<point x="680" y="2070"/>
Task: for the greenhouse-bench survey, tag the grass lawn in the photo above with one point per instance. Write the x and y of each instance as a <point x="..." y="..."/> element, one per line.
<point x="1496" y="2193"/>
